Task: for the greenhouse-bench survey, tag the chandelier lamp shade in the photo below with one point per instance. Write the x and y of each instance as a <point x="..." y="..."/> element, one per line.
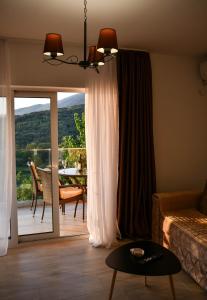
<point x="95" y="58"/>
<point x="53" y="45"/>
<point x="106" y="48"/>
<point x="107" y="42"/>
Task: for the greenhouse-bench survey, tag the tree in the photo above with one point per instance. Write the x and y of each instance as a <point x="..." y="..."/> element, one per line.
<point x="69" y="155"/>
<point x="76" y="141"/>
<point x="31" y="146"/>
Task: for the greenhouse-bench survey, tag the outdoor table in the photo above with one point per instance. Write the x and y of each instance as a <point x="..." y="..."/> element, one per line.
<point x="75" y="174"/>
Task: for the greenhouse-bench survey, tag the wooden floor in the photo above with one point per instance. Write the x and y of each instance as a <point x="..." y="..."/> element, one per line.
<point x="69" y="226"/>
<point x="67" y="269"/>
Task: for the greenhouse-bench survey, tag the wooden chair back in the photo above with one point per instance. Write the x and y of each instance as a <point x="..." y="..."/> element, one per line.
<point x="35" y="178"/>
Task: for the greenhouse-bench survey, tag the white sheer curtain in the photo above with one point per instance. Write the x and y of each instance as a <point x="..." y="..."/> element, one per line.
<point x="102" y="155"/>
<point x="5" y="150"/>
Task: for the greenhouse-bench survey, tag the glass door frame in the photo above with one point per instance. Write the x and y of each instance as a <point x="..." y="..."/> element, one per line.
<point x="54" y="162"/>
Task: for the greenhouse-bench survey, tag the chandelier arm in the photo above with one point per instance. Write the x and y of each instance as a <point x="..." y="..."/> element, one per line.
<point x="49" y="61"/>
<point x="60" y="61"/>
<point x="72" y="57"/>
<point x="66" y="62"/>
<point x="97" y="70"/>
<point x="107" y="58"/>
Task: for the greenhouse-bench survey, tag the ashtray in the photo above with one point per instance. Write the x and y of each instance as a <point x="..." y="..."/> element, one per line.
<point x="138" y="252"/>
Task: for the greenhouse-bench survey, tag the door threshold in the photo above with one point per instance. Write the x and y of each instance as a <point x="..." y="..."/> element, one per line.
<point x="53" y="239"/>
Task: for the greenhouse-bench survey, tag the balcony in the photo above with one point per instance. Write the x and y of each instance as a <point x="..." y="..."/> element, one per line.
<point x="29" y="224"/>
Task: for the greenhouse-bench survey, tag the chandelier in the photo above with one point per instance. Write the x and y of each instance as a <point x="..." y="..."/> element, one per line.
<point x="97" y="55"/>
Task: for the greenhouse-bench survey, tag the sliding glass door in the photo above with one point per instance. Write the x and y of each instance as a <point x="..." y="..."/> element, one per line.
<point x="72" y="159"/>
<point x="49" y="133"/>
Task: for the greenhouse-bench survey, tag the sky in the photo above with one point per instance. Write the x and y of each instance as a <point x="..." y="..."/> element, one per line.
<point x="26" y="102"/>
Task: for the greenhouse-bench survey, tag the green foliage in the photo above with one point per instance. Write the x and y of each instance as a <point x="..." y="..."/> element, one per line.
<point x="34" y="128"/>
<point x="77" y="140"/>
<point x="24" y="186"/>
<point x="70" y="155"/>
<point x="32" y="146"/>
<point x="80" y="125"/>
<point x="19" y="177"/>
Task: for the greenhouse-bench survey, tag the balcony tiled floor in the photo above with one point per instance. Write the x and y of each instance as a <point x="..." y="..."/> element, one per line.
<point x="69" y="226"/>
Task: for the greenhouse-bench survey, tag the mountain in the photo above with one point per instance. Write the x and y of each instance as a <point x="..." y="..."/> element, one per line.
<point x="34" y="128"/>
<point x="77" y="99"/>
<point x="31" y="109"/>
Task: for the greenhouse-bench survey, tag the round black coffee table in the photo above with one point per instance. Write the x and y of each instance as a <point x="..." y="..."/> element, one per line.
<point x="122" y="260"/>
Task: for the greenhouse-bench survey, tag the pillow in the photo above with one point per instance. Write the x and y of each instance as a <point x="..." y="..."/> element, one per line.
<point x="203" y="201"/>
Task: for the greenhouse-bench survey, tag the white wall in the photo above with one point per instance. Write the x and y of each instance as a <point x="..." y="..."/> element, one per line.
<point x="180" y="112"/>
<point x="180" y="123"/>
<point x="28" y="69"/>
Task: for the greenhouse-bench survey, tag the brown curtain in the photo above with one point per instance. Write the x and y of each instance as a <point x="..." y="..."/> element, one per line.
<point x="136" y="150"/>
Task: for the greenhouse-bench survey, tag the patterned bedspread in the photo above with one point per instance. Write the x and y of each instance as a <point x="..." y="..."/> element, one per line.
<point x="185" y="233"/>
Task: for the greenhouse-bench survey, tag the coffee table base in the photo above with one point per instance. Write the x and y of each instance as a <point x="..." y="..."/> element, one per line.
<point x="114" y="279"/>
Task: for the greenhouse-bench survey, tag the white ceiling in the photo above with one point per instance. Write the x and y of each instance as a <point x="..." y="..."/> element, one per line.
<point x="167" y="26"/>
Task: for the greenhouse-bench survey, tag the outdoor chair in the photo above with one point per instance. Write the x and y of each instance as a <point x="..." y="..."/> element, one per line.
<point x="36" y="185"/>
<point x="67" y="193"/>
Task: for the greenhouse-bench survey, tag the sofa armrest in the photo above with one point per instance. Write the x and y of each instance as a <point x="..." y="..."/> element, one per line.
<point x="177" y="200"/>
<point x="165" y="202"/>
